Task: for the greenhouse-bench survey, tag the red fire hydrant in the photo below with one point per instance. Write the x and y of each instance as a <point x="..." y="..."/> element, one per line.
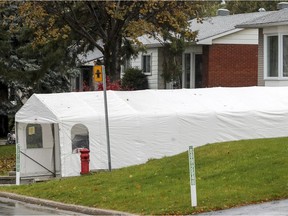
<point x="84" y="161"/>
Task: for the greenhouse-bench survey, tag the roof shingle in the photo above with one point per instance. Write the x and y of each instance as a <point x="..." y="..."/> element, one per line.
<point x="213" y="26"/>
<point x="274" y="18"/>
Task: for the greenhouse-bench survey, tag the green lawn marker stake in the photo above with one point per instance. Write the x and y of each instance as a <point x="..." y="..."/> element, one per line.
<point x="192" y="176"/>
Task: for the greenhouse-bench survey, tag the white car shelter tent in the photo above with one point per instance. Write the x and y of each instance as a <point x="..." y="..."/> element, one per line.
<point x="143" y="125"/>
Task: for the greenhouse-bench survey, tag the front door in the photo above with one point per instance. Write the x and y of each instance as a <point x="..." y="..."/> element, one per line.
<point x="198" y="70"/>
<point x="192" y="71"/>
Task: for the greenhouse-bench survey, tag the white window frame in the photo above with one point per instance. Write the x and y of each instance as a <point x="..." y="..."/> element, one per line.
<point x="83" y="142"/>
<point x="142" y="63"/>
<point x="280" y="57"/>
<point x="31" y="130"/>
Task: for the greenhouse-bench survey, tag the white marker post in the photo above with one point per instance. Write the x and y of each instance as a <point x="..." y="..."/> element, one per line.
<point x="192" y="176"/>
<point x="17" y="163"/>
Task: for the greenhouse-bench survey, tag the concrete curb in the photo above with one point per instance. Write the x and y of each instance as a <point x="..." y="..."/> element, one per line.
<point x="62" y="206"/>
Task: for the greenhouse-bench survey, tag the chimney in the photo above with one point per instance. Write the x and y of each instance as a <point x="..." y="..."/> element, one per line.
<point x="223" y="12"/>
<point x="282" y="5"/>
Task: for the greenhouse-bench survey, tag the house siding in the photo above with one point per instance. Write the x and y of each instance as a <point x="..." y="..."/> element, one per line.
<point x="161" y="84"/>
<point x="230" y="65"/>
<point x="247" y="36"/>
<point x="275" y="29"/>
<point x="153" y="77"/>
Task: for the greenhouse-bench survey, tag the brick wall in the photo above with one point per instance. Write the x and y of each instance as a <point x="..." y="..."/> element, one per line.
<point x="229" y="65"/>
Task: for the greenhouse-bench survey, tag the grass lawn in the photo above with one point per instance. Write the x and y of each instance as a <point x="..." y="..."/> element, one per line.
<point x="7" y="158"/>
<point x="228" y="174"/>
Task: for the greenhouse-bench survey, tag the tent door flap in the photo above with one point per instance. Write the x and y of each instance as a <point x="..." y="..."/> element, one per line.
<point x="38" y="163"/>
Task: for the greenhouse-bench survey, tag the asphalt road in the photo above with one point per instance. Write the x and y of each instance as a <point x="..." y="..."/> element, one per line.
<point x="12" y="207"/>
<point x="14" y="204"/>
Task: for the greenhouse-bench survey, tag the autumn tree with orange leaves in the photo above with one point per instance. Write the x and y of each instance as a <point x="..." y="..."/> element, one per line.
<point x="110" y="26"/>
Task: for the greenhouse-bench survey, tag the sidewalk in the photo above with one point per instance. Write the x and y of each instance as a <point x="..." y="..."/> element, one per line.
<point x="274" y="208"/>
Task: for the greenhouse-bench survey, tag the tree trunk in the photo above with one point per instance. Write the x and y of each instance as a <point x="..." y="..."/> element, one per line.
<point x="112" y="58"/>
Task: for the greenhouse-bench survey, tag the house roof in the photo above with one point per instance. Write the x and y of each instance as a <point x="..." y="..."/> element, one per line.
<point x="212" y="27"/>
<point x="149" y="41"/>
<point x="274" y="18"/>
<point x="89" y="57"/>
<point x="218" y="26"/>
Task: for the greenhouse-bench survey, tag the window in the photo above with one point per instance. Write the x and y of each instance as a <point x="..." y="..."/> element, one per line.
<point x="80" y="137"/>
<point x="146" y="64"/>
<point x="272" y="56"/>
<point x="285" y="55"/>
<point x="276" y="59"/>
<point x="34" y="136"/>
<point x="187" y="70"/>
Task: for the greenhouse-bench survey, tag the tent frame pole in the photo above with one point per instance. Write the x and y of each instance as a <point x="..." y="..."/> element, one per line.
<point x="54" y="157"/>
<point x="18" y="178"/>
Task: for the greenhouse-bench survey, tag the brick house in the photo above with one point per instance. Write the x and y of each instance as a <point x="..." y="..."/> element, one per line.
<point x="273" y="46"/>
<point x="222" y="55"/>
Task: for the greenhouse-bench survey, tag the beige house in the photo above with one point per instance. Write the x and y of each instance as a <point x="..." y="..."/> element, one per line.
<point x="273" y="46"/>
<point x="222" y="55"/>
<point x="237" y="50"/>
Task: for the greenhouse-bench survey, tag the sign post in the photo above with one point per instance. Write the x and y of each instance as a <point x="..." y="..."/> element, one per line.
<point x="106" y="117"/>
<point x="99" y="76"/>
<point x="192" y="176"/>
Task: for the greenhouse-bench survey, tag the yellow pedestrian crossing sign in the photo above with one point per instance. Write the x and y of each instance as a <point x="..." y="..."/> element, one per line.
<point x="97" y="73"/>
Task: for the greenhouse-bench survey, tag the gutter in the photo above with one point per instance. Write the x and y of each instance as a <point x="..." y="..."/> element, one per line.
<point x="62" y="206"/>
<point x="261" y="25"/>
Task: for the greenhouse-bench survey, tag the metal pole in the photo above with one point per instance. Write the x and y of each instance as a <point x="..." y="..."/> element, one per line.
<point x="17" y="155"/>
<point x="106" y="119"/>
<point x="54" y="143"/>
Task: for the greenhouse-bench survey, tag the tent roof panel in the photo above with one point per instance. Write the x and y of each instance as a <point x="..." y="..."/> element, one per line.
<point x="35" y="111"/>
<point x="88" y="105"/>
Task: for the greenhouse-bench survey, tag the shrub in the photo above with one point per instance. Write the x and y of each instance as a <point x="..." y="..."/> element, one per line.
<point x="134" y="79"/>
<point x="110" y="85"/>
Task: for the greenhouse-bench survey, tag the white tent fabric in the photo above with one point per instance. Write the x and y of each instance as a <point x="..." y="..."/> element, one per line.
<point x="150" y="123"/>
